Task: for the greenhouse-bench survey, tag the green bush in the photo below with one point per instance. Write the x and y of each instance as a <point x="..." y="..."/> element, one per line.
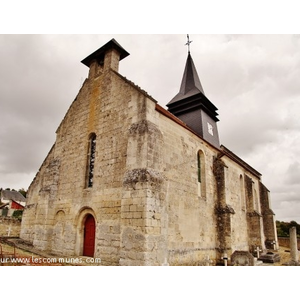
<point x="17" y="214"/>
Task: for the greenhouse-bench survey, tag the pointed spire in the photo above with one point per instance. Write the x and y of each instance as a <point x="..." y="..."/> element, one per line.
<point x="192" y="107"/>
<point x="190" y="78"/>
<point x="190" y="84"/>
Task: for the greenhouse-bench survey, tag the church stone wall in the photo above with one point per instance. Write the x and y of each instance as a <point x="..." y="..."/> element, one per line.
<point x="146" y="199"/>
<point x="226" y="218"/>
<point x="143" y="224"/>
<point x="236" y="199"/>
<point x="58" y="197"/>
<point x="147" y="203"/>
<point x="35" y="215"/>
<point x="190" y="215"/>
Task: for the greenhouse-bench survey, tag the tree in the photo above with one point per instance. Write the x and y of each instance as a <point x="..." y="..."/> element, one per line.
<point x="295" y="224"/>
<point x="23" y="192"/>
<point x="283" y="228"/>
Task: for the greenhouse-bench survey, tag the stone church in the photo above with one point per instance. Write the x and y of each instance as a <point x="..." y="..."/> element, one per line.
<point x="133" y="183"/>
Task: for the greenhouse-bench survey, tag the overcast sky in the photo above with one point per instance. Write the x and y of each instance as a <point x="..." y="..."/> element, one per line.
<point x="252" y="79"/>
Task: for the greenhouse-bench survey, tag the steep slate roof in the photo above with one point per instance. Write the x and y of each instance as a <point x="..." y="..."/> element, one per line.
<point x="12" y="195"/>
<point x="191" y="94"/>
<point x="190" y="84"/>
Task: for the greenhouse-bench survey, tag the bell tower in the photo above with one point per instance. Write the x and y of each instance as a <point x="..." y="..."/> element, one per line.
<point x="192" y="106"/>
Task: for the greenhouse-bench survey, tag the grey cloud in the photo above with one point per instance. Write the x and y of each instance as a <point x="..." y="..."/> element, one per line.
<point x="252" y="79"/>
<point x="293" y="174"/>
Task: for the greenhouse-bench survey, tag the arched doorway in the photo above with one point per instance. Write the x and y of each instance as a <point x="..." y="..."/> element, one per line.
<point x="89" y="236"/>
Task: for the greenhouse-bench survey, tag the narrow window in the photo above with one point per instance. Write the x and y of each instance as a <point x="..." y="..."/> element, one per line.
<point x="201" y="174"/>
<point x="91" y="160"/>
<point x="256" y="207"/>
<point x="199" y="167"/>
<point x="242" y="193"/>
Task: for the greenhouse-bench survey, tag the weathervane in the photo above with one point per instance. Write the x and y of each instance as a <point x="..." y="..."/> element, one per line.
<point x="188" y="42"/>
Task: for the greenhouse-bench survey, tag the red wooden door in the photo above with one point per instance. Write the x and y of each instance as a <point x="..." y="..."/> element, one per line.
<point x="89" y="236"/>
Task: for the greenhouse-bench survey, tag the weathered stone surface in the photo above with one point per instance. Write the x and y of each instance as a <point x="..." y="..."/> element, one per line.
<point x="142" y="175"/>
<point x="144" y="126"/>
<point x="242" y="258"/>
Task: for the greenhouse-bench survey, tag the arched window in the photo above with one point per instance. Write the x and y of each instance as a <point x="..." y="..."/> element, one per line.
<point x="201" y="174"/>
<point x="91" y="160"/>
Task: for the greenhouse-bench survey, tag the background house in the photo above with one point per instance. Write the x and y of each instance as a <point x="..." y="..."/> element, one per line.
<point x="10" y="202"/>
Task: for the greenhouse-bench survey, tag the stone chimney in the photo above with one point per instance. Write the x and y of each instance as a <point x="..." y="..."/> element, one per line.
<point x="105" y="58"/>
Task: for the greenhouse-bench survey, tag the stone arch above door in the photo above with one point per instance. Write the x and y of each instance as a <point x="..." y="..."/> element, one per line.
<point x="80" y="223"/>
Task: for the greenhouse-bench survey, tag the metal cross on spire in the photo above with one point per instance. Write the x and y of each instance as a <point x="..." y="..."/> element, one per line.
<point x="188" y="42"/>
